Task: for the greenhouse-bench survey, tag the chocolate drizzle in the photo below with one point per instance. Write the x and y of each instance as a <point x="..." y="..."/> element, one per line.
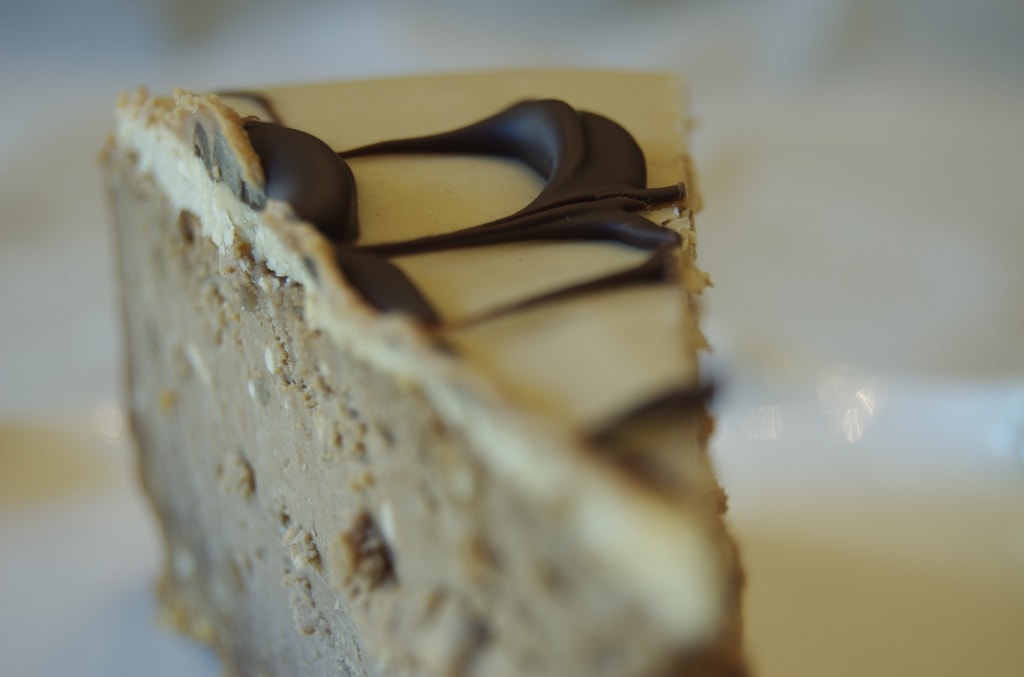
<point x="582" y="156"/>
<point x="304" y="171"/>
<point x="383" y="284"/>
<point x="595" y="188"/>
<point x="595" y="179"/>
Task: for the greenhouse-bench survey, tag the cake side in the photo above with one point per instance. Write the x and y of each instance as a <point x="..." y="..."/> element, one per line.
<point x="657" y="548"/>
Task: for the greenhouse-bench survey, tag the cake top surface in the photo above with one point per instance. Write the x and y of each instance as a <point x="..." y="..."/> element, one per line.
<point x="439" y="158"/>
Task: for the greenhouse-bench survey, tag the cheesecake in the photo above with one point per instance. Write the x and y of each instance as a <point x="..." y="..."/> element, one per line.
<point x="413" y="375"/>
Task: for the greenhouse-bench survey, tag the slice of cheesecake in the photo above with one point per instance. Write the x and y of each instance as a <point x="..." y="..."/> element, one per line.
<point x="413" y="376"/>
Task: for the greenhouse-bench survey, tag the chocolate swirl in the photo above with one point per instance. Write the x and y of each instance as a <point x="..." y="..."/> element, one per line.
<point x="595" y="187"/>
<point x="303" y="170"/>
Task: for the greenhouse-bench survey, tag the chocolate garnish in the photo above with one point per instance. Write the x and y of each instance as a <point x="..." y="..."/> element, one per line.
<point x="666" y="404"/>
<point x="590" y="164"/>
<point x="595" y="184"/>
<point x="305" y="172"/>
<point x="634" y="441"/>
<point x="609" y="219"/>
<point x="383" y="284"/>
<point x="581" y="156"/>
<point x="658" y="268"/>
<point x="595" y="187"/>
<point x="595" y="176"/>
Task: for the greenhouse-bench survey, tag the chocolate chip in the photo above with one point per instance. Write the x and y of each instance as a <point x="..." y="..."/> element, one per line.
<point x="226" y="168"/>
<point x="253" y="195"/>
<point x="311" y="268"/>
<point x="201" y="146"/>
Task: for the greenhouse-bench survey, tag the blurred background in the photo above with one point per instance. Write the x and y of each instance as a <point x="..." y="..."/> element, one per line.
<point x="861" y="164"/>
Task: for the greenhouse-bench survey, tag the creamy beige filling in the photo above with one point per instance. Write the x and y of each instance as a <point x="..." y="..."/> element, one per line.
<point x="408" y="196"/>
<point x="465" y="283"/>
<point x="566" y="355"/>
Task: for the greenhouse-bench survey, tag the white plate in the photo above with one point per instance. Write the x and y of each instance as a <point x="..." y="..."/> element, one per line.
<point x="881" y="536"/>
<point x="80" y="556"/>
